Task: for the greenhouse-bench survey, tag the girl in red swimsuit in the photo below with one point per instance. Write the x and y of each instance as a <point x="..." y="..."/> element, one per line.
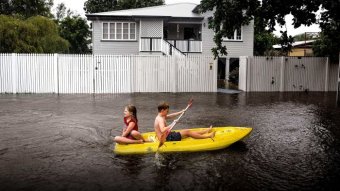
<point x="130" y="131"/>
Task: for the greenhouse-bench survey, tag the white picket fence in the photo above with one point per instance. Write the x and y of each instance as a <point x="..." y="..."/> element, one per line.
<point x="57" y="73"/>
<point x="269" y="74"/>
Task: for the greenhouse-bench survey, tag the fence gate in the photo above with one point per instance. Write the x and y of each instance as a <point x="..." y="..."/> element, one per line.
<point x="111" y="74"/>
<point x="296" y="75"/>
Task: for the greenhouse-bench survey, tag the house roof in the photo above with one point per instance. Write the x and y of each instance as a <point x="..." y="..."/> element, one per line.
<point x="295" y="44"/>
<point x="178" y="10"/>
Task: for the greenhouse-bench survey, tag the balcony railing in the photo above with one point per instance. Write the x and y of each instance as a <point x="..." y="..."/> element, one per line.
<point x="150" y="44"/>
<point x="153" y="44"/>
<point x="187" y="46"/>
<point x="156" y="44"/>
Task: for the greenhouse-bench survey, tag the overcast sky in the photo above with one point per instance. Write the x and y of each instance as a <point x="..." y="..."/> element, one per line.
<point x="78" y="5"/>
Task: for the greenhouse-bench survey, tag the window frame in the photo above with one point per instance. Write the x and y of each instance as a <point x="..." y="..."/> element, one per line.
<point x="235" y="36"/>
<point x="108" y="33"/>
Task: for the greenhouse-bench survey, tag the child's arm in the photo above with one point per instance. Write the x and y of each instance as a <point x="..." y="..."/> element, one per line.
<point x="171" y="115"/>
<point x="129" y="128"/>
<point x="162" y="126"/>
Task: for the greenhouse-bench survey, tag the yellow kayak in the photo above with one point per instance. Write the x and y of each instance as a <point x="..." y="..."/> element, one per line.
<point x="224" y="137"/>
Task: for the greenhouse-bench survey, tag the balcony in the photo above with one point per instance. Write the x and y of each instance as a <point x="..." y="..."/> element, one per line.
<point x="179" y="38"/>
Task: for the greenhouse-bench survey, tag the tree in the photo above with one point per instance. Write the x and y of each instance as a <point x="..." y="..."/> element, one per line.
<point x="130" y="4"/>
<point x="263" y="39"/>
<point x="230" y="14"/>
<point x="76" y="30"/>
<point x="328" y="45"/>
<point x="286" y="43"/>
<point x="61" y="11"/>
<point x="34" y="35"/>
<point x="26" y="8"/>
<point x="95" y="6"/>
<point x="5" y="7"/>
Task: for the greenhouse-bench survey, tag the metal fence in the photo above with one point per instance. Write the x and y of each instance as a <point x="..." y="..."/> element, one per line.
<point x="57" y="73"/>
<point x="269" y="74"/>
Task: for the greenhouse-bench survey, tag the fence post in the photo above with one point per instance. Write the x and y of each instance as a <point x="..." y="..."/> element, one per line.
<point x="243" y="74"/>
<point x="282" y="73"/>
<point x="56" y="73"/>
<point x="14" y="72"/>
<point x="327" y="75"/>
<point x="215" y="67"/>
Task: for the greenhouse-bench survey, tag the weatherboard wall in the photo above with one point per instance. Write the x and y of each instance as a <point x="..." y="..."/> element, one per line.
<point x="116" y="47"/>
<point x="234" y="48"/>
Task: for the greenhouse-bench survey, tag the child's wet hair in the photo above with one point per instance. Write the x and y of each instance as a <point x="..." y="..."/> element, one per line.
<point x="163" y="106"/>
<point x="132" y="109"/>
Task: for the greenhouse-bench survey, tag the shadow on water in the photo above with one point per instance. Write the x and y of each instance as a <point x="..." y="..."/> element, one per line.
<point x="239" y="146"/>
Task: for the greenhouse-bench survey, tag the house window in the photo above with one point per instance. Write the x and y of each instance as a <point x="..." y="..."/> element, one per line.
<point x="119" y="31"/>
<point x="237" y="36"/>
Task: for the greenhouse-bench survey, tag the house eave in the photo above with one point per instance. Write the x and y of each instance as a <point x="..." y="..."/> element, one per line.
<point x="137" y="17"/>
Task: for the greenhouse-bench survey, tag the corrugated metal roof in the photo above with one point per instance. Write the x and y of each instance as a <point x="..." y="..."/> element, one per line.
<point x="171" y="10"/>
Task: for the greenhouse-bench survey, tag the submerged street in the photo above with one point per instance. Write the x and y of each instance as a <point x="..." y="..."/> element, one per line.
<point x="51" y="142"/>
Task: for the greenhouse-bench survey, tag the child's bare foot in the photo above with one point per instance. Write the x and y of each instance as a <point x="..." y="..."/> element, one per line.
<point x="147" y="140"/>
<point x="212" y="135"/>
<point x="150" y="139"/>
<point x="208" y="130"/>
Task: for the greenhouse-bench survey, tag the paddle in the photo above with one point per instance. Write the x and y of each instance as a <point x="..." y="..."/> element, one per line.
<point x="166" y="133"/>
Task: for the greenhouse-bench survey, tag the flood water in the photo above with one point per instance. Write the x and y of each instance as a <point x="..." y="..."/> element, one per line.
<point x="51" y="142"/>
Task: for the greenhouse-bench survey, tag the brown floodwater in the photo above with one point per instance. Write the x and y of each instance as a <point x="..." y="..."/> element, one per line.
<point x="63" y="142"/>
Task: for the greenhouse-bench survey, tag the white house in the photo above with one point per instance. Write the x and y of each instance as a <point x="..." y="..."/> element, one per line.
<point x="166" y="29"/>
